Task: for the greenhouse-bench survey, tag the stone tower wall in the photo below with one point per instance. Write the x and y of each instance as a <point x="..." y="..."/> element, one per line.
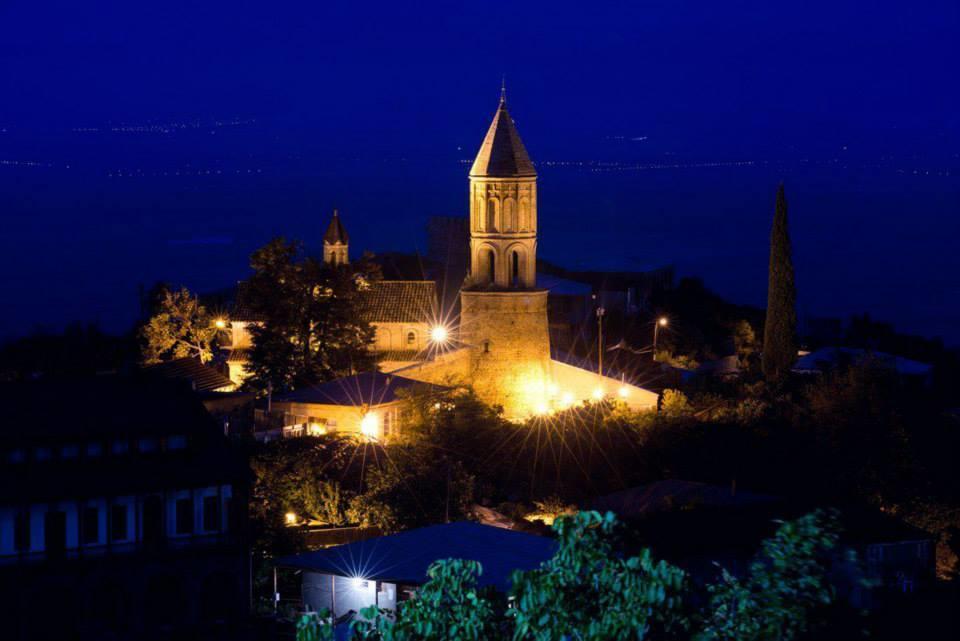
<point x="335" y="253"/>
<point x="509" y="342"/>
<point x="503" y="221"/>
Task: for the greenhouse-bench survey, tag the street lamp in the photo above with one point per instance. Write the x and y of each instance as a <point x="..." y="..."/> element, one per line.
<point x="439" y="334"/>
<point x="220" y="323"/>
<point x="661" y="322"/>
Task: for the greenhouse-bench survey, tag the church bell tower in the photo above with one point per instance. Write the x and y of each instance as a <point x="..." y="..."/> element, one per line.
<point x="503" y="210"/>
<point x="335" y="242"/>
<point x="503" y="316"/>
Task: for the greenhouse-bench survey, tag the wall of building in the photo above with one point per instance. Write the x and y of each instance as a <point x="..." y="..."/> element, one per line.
<point x="133" y="515"/>
<point x="316" y="418"/>
<point x="348" y="593"/>
<point x="582" y="384"/>
<point x="397" y="336"/>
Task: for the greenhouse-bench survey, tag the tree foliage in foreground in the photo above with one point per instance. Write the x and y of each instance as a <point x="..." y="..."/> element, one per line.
<point x="589" y="591"/>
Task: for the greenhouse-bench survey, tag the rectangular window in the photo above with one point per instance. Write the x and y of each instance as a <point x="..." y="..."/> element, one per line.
<point x="90" y="525"/>
<point x="184" y="516"/>
<point x="69" y="451"/>
<point x="211" y="513"/>
<point x="21" y="531"/>
<point x="118" y="523"/>
<point x="119" y="447"/>
<point x="147" y="445"/>
<point x="94" y="449"/>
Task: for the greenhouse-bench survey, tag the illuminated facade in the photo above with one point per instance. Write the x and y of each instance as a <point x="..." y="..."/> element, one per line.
<point x="502" y="348"/>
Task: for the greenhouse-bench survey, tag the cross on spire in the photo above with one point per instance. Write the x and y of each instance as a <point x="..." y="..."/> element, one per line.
<point x="503" y="90"/>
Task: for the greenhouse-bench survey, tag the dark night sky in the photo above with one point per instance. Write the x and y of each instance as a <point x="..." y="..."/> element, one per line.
<point x="685" y="114"/>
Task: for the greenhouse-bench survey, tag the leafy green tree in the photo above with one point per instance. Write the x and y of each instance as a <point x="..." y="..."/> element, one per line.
<point x="785" y="585"/>
<point x="588" y="591"/>
<point x="181" y="327"/>
<point x="414" y="487"/>
<point x="448" y="606"/>
<point x="780" y="329"/>
<point x="312" y="330"/>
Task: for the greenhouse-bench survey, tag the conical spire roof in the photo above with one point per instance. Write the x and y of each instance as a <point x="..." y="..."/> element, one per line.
<point x="502" y="154"/>
<point x="335" y="231"/>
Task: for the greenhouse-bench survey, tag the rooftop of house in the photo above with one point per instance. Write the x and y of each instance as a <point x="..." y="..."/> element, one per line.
<point x="829" y="357"/>
<point x="367" y="388"/>
<point x="68" y="419"/>
<point x="404" y="558"/>
<point x="203" y="378"/>
<point x="399" y="301"/>
<point x="385" y="301"/>
<point x="675" y="494"/>
<point x="101" y="407"/>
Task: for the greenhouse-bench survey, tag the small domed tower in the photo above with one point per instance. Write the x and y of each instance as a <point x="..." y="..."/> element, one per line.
<point x="503" y="317"/>
<point x="335" y="242"/>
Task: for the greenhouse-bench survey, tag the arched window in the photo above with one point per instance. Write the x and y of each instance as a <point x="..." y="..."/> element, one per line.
<point x="515" y="268"/>
<point x="411" y="338"/>
<point x="509" y="215"/>
<point x="525" y="224"/>
<point x="485" y="269"/>
<point x="492" y="215"/>
<point x="480" y="221"/>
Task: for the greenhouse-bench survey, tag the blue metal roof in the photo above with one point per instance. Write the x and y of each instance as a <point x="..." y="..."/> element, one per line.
<point x="405" y="557"/>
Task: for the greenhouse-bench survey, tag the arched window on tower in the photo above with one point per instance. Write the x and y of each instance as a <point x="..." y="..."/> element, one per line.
<point x="525" y="224"/>
<point x="411" y="339"/>
<point x="509" y="215"/>
<point x="486" y="267"/>
<point x="515" y="268"/>
<point x="492" y="215"/>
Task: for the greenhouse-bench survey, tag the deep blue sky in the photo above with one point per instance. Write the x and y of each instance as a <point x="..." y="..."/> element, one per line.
<point x="374" y="107"/>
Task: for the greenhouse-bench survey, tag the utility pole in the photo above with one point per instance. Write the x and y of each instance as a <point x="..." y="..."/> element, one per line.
<point x="600" y="312"/>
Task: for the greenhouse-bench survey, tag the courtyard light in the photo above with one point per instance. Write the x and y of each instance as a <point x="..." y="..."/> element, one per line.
<point x="439" y="334"/>
<point x="598" y="394"/>
<point x="220" y="323"/>
<point x="290" y="518"/>
<point x="624" y="391"/>
<point x="368" y="425"/>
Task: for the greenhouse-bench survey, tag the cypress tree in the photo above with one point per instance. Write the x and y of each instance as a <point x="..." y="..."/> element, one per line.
<point x="779" y="332"/>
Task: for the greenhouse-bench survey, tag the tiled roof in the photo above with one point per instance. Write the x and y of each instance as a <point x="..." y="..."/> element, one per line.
<point x="402" y="355"/>
<point x="202" y="378"/>
<point x="398" y="301"/>
<point x="238" y="355"/>
<point x="335" y="231"/>
<point x="367" y="388"/>
<point x="502" y="154"/>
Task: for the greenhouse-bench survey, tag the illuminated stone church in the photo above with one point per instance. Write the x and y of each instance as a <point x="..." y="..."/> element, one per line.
<point x="501" y="344"/>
